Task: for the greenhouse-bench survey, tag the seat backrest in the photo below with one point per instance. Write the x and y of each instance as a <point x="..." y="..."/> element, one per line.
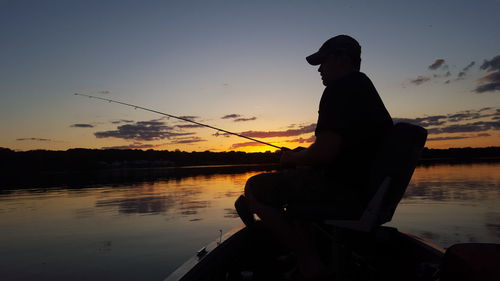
<point x="397" y="160"/>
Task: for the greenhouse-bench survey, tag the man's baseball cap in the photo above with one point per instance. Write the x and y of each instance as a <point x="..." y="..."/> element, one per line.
<point x="338" y="44"/>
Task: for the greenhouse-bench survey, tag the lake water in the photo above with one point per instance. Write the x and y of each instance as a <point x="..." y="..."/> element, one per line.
<point x="143" y="230"/>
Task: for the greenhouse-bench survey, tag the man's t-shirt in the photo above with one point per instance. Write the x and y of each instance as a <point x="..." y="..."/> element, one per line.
<point x="352" y="108"/>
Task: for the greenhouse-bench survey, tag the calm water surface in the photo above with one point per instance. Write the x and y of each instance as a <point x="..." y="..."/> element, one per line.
<point x="143" y="231"/>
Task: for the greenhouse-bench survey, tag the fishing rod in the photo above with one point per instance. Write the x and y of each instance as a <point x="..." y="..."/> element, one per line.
<point x="181" y="118"/>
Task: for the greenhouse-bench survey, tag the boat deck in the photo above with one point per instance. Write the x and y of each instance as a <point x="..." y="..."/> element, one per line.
<point x="252" y="254"/>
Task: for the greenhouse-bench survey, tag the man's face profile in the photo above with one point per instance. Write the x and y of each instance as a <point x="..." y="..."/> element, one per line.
<point x="333" y="68"/>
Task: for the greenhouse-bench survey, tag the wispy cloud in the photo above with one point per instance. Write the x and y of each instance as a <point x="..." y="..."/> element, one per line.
<point x="189" y="126"/>
<point x="486" y="120"/>
<point x="437" y="64"/>
<point x="245" y="144"/>
<point x="491" y="82"/>
<point x="231" y="116"/>
<point x="420" y="80"/>
<point x="33" y="139"/>
<point x="245" y="119"/>
<point x="238" y="117"/>
<point x="466" y="128"/>
<point x="491" y="65"/>
<point x="143" y="131"/>
<point x="187" y="140"/>
<point x="104" y="92"/>
<point x="189" y="117"/>
<point x="445" y="75"/>
<point x="490" y="87"/>
<point x="303" y="140"/>
<point x="426" y="121"/>
<point x="135" y="145"/>
<point x="82" y="126"/>
<point x="448" y="138"/>
<point x="464" y="71"/>
<point x="437" y="120"/>
<point x="122" y="121"/>
<point x="458" y="137"/>
<point x="287" y="133"/>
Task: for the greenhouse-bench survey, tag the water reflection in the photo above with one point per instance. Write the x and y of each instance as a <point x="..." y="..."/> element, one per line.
<point x="231" y="213"/>
<point x="470" y="183"/>
<point x="449" y="204"/>
<point x="493" y="223"/>
<point x="139" y="205"/>
<point x="142" y="230"/>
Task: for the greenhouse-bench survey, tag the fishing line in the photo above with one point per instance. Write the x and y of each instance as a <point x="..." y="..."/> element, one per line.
<point x="180" y="118"/>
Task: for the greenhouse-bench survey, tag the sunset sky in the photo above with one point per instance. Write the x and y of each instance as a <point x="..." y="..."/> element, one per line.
<point x="240" y="66"/>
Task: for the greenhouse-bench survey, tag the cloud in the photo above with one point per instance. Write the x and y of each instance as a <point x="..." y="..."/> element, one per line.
<point x="245" y="119"/>
<point x="33" y="139"/>
<point x="436" y="64"/>
<point x="485" y="120"/>
<point x="469" y="66"/>
<point x="458" y="137"/>
<point x="82" y="126"/>
<point x="245" y="144"/>
<point x="427" y="121"/>
<point x="121" y="121"/>
<point x="466" y="115"/>
<point x="135" y="145"/>
<point x="466" y="128"/>
<point x="104" y="92"/>
<point x="420" y="80"/>
<point x="492" y="77"/>
<point x="491" y="65"/>
<point x="438" y="120"/>
<point x="189" y="117"/>
<point x="464" y="71"/>
<point x="216" y="134"/>
<point x="447" y="74"/>
<point x="303" y="140"/>
<point x="187" y="140"/>
<point x="491" y="83"/>
<point x="189" y="126"/>
<point x="490" y="87"/>
<point x="230" y="116"/>
<point x="238" y="117"/>
<point x="142" y="131"/>
<point x="287" y="133"/>
<point x="447" y="138"/>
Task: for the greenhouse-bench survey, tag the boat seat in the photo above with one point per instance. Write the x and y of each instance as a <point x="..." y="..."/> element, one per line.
<point x="389" y="177"/>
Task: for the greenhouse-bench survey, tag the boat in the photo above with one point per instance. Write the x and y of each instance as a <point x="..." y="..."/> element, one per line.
<point x="250" y="253"/>
<point x="389" y="254"/>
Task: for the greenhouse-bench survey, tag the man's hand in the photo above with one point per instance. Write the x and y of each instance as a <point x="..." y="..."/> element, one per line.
<point x="322" y="151"/>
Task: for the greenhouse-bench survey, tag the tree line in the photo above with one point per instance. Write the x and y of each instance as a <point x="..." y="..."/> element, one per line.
<point x="91" y="159"/>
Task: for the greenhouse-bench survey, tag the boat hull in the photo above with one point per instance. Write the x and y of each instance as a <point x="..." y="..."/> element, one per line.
<point x="252" y="254"/>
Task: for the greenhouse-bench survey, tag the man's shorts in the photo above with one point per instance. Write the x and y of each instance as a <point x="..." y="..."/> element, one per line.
<point x="307" y="192"/>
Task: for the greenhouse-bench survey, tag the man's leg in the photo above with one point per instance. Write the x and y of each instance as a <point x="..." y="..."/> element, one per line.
<point x="264" y="199"/>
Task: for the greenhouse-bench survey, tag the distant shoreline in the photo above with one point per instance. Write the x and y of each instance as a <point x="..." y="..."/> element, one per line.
<point x="76" y="167"/>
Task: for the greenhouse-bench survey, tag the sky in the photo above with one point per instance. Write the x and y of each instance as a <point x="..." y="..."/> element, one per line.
<point x="239" y="66"/>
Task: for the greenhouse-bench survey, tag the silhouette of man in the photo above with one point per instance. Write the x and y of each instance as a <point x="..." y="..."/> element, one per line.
<point x="351" y="123"/>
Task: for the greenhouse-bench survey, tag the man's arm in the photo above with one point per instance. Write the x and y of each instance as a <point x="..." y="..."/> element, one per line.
<point x="323" y="150"/>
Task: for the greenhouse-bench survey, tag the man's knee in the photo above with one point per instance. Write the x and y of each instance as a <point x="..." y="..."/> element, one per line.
<point x="257" y="185"/>
<point x="250" y="186"/>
